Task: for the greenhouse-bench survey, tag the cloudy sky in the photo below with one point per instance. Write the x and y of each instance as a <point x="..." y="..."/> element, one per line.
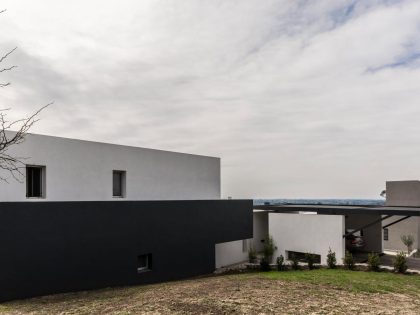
<point x="300" y="99"/>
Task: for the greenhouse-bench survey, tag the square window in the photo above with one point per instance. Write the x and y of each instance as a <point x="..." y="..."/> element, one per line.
<point x="118" y="184"/>
<point x="35" y="181"/>
<point x="144" y="263"/>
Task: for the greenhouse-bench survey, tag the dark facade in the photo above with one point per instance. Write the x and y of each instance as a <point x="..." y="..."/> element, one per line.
<point x="51" y="247"/>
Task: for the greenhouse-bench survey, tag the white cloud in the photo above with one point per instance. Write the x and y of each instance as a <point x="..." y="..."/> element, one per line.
<point x="299" y="98"/>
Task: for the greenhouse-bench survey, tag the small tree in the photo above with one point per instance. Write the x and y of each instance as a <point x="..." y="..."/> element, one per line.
<point x="310" y="259"/>
<point x="400" y="263"/>
<point x="331" y="260"/>
<point x="269" y="248"/>
<point x="348" y="261"/>
<point x="373" y="262"/>
<point x="408" y="241"/>
<point x="280" y="263"/>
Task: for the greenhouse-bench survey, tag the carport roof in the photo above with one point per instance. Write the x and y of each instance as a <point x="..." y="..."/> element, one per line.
<point x="342" y="210"/>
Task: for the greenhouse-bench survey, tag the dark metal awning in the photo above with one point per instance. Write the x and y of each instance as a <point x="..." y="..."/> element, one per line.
<point x="341" y="210"/>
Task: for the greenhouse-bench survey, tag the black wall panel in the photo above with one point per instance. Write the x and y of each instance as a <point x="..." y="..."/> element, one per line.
<point x="51" y="247"/>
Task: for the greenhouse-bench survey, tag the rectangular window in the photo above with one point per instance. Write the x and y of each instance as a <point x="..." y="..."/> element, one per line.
<point x="35" y="181"/>
<point x="386" y="234"/>
<point x="118" y="184"/>
<point x="302" y="256"/>
<point x="144" y="263"/>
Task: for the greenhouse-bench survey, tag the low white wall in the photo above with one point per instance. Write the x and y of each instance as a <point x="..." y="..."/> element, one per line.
<point x="312" y="233"/>
<point x="230" y="253"/>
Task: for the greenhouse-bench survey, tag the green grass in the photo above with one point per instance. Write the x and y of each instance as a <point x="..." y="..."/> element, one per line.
<point x="354" y="281"/>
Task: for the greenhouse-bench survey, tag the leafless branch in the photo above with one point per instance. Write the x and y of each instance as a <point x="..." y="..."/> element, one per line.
<point x="13" y="132"/>
<point x="10" y="163"/>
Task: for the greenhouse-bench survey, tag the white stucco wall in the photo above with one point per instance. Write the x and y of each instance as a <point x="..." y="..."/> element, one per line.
<point x="312" y="233"/>
<point x="230" y="253"/>
<point x="403" y="193"/>
<point x="82" y="170"/>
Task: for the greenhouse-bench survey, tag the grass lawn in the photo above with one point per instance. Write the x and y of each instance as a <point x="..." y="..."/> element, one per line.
<point x="354" y="281"/>
<point x="319" y="291"/>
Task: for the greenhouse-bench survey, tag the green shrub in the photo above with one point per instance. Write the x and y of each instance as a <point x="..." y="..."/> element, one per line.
<point x="373" y="262"/>
<point x="280" y="263"/>
<point x="269" y="248"/>
<point x="252" y="255"/>
<point x="310" y="259"/>
<point x="295" y="263"/>
<point x="331" y="260"/>
<point x="400" y="263"/>
<point x="348" y="261"/>
<point x="264" y="265"/>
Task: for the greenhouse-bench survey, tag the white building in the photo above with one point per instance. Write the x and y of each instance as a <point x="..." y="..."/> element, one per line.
<point x="60" y="169"/>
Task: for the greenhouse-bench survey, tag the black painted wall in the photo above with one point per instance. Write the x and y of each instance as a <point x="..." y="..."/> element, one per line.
<point x="51" y="247"/>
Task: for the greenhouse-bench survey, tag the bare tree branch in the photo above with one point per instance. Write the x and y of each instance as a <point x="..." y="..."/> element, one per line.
<point x="14" y="164"/>
<point x="10" y="163"/>
<point x="13" y="132"/>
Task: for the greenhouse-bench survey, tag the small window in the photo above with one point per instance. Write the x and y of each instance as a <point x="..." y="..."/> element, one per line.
<point x="118" y="184"/>
<point x="35" y="181"/>
<point x="386" y="234"/>
<point x="144" y="263"/>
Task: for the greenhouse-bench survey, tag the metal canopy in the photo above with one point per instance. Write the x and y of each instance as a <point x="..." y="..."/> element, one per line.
<point x="342" y="210"/>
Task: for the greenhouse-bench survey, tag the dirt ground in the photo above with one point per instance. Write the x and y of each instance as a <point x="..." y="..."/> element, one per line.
<point x="232" y="294"/>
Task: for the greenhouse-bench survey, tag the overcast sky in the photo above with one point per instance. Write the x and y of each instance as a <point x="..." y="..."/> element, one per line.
<point x="300" y="99"/>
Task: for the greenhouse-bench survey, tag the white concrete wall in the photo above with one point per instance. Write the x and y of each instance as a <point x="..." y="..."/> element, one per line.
<point x="403" y="193"/>
<point x="230" y="253"/>
<point x="312" y="233"/>
<point x="82" y="170"/>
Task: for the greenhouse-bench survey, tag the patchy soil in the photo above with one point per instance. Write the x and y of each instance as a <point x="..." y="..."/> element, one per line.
<point x="232" y="294"/>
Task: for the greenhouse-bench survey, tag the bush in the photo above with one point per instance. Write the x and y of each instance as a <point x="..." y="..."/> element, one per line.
<point x="280" y="263"/>
<point x="373" y="262"/>
<point x="295" y="263"/>
<point x="331" y="260"/>
<point x="269" y="248"/>
<point x="348" y="261"/>
<point x="400" y="263"/>
<point x="264" y="265"/>
<point x="252" y="254"/>
<point x="310" y="259"/>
